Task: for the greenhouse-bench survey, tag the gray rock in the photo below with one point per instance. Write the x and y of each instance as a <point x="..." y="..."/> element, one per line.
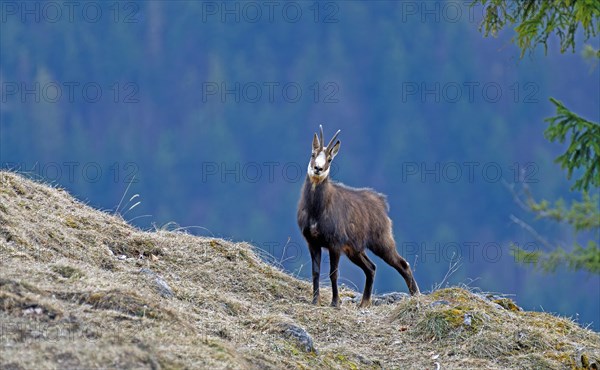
<point x="300" y="335"/>
<point x="494" y="300"/>
<point x="497" y="306"/>
<point x="378" y="300"/>
<point x="489" y="296"/>
<point x="159" y="283"/>
<point x="389" y="298"/>
<point x="467" y="319"/>
<point x="163" y="288"/>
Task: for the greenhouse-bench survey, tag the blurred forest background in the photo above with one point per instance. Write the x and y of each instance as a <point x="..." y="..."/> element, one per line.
<point x="207" y="110"/>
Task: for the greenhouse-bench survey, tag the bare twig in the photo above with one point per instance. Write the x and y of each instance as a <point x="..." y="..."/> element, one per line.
<point x="515" y="195"/>
<point x="531" y="230"/>
<point x="522" y="204"/>
<point x="281" y="260"/>
<point x="452" y="268"/>
<point x="124" y="194"/>
<point x="135" y="218"/>
<point x="185" y="228"/>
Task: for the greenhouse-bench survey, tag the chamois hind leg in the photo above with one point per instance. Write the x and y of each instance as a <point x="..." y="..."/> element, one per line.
<point x="392" y="258"/>
<point x="334" y="260"/>
<point x="362" y="261"/>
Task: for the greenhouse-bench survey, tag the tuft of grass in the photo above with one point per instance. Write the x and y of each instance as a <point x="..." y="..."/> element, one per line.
<point x="498" y="331"/>
<point x="68" y="272"/>
<point x="69" y="299"/>
<point x="70" y="222"/>
<point x="127" y="302"/>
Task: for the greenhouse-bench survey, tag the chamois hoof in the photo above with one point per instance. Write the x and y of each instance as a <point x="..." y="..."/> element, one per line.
<point x="336" y="304"/>
<point x="316" y="301"/>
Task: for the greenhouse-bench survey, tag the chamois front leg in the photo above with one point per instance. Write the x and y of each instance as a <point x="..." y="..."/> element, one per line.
<point x="315" y="256"/>
<point x="334" y="260"/>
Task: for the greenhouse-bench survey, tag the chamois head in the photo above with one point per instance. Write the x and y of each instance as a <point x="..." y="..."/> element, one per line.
<point x="321" y="157"/>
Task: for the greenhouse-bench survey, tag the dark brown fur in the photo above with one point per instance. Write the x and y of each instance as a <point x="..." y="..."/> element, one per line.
<point x="349" y="221"/>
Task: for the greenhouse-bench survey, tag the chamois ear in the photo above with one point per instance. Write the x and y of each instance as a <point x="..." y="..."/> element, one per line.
<point x="335" y="149"/>
<point x="315" y="143"/>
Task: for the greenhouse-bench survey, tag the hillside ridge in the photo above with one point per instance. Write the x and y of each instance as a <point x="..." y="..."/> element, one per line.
<point x="81" y="288"/>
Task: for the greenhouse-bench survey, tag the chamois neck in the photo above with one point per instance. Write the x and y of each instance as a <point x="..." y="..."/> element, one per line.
<point x="316" y="196"/>
<point x="317" y="186"/>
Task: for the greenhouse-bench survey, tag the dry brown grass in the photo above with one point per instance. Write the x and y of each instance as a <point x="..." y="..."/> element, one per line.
<point x="68" y="299"/>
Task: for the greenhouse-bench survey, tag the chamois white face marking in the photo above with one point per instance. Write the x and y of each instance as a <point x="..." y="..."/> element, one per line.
<point x="321" y="157"/>
<point x="321" y="160"/>
<point x="318" y="167"/>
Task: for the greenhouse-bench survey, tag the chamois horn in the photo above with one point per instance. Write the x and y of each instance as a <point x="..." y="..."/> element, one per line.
<point x="321" y="141"/>
<point x="329" y="146"/>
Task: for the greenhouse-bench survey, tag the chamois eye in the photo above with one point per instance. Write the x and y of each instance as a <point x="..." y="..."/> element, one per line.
<point x="312" y="155"/>
<point x="329" y="160"/>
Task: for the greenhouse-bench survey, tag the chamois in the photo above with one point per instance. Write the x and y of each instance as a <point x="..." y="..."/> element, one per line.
<point x="345" y="220"/>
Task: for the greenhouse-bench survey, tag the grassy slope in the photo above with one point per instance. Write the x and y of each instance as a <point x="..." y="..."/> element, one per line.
<point x="68" y="298"/>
